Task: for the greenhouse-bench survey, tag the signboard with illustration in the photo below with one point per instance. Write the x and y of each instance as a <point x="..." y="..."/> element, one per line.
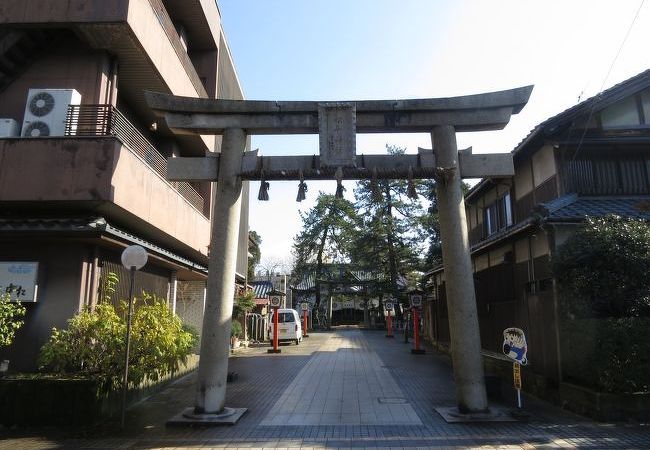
<point x="19" y="280"/>
<point x="514" y="345"/>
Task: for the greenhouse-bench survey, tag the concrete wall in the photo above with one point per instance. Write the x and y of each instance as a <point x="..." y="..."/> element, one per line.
<point x="157" y="203"/>
<point x="137" y="15"/>
<point x="498" y="255"/>
<point x="190" y="304"/>
<point x="543" y="165"/>
<point x="523" y="179"/>
<point x="57" y="169"/>
<point x="145" y="25"/>
<point x="59" y="294"/>
<point x="228" y="86"/>
<point x="62" y="11"/>
<point x="71" y="66"/>
<point x="98" y="171"/>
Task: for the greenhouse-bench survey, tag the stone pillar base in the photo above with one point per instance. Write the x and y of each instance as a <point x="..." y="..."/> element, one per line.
<point x="451" y="414"/>
<point x="229" y="416"/>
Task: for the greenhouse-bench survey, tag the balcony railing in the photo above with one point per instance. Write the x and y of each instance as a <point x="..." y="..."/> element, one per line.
<point x="170" y="30"/>
<point x="106" y="120"/>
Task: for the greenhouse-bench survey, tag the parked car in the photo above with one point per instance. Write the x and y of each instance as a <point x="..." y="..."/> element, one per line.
<point x="289" y="326"/>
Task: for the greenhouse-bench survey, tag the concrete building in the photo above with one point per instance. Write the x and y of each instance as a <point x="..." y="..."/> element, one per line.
<point x="590" y="160"/>
<point x="83" y="160"/>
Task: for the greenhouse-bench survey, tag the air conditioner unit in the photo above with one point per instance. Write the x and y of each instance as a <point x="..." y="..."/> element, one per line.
<point x="9" y="128"/>
<point x="46" y="111"/>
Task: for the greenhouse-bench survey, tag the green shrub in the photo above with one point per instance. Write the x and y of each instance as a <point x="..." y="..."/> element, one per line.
<point x="602" y="270"/>
<point x="94" y="344"/>
<point x="608" y="355"/>
<point x="604" y="298"/>
<point x="236" y="330"/>
<point x="243" y="304"/>
<point x="11" y="315"/>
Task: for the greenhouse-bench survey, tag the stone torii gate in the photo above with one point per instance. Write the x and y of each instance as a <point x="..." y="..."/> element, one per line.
<point x="337" y="124"/>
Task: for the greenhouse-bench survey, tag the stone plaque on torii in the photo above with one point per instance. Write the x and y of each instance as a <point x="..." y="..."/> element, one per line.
<point x="337" y="124"/>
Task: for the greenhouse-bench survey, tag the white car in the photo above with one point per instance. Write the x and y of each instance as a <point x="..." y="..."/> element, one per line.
<point x="289" y="326"/>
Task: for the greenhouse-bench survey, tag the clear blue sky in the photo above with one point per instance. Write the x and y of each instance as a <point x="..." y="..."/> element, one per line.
<point x="385" y="49"/>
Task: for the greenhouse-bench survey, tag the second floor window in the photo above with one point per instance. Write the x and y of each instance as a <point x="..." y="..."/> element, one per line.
<point x="498" y="215"/>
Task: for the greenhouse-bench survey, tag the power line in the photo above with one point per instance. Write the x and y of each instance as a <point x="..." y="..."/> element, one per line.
<point x="609" y="71"/>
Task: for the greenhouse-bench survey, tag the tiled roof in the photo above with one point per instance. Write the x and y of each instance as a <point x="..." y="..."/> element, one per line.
<point x="595" y="103"/>
<point x="349" y="277"/>
<point x="87" y="224"/>
<point x="555" y="123"/>
<point x="51" y="223"/>
<point x="261" y="288"/>
<point x="573" y="208"/>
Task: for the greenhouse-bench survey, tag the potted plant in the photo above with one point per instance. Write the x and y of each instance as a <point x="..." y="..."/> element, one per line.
<point x="11" y="319"/>
<point x="244" y="302"/>
<point x="235" y="334"/>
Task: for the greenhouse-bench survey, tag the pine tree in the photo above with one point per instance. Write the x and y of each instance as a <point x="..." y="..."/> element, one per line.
<point x="391" y="237"/>
<point x="329" y="229"/>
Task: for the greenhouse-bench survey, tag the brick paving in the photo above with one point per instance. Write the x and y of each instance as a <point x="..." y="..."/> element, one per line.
<point x="352" y="381"/>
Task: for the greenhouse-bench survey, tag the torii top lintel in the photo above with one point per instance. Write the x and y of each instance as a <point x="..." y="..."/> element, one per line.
<point x="479" y="112"/>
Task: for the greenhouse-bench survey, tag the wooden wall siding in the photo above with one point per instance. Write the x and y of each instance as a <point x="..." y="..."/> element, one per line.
<point x="496" y="304"/>
<point x="442" y="321"/>
<point x="476" y="234"/>
<point x="541" y="335"/>
<point x="144" y="282"/>
<point x="608" y="176"/>
<point x="543" y="267"/>
<point x="634" y="176"/>
<point x="547" y="190"/>
<point x="524" y="206"/>
<point x="501" y="316"/>
<point x="579" y="177"/>
<point x="502" y="302"/>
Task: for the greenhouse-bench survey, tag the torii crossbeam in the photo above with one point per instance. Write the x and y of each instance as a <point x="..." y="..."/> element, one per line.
<point x="337" y="124"/>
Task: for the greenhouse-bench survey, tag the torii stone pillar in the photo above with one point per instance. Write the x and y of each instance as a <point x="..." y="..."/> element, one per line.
<point x="461" y="299"/>
<point x="224" y="237"/>
<point x="217" y="317"/>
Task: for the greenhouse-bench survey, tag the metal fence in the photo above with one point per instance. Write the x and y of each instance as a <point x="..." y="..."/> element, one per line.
<point x="106" y="120"/>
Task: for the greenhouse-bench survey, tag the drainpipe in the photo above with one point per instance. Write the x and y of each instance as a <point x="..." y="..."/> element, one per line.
<point x="173" y="290"/>
<point x="112" y="99"/>
<point x="556" y="315"/>
<point x="94" y="280"/>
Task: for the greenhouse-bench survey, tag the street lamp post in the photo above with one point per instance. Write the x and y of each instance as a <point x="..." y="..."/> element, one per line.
<point x="305" y="312"/>
<point x="415" y="296"/>
<point x="275" y="299"/>
<point x="134" y="258"/>
<point x="390" y="312"/>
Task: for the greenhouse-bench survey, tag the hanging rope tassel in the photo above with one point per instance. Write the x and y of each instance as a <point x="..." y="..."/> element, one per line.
<point x="302" y="189"/>
<point x="374" y="187"/>
<point x="410" y="188"/>
<point x="263" y="195"/>
<point x="339" y="183"/>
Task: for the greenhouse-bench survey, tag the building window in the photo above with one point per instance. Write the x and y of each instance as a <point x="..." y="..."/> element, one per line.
<point x="498" y="215"/>
<point x="507" y="205"/>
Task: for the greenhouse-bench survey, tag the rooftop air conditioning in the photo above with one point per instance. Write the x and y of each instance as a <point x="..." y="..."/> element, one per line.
<point x="46" y="111"/>
<point x="9" y="128"/>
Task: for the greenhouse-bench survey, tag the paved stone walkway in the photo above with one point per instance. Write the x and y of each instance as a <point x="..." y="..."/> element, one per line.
<point x="352" y="382"/>
<point x="345" y="383"/>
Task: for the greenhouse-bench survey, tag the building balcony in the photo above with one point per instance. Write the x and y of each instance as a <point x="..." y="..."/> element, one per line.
<point x="143" y="37"/>
<point x="104" y="164"/>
